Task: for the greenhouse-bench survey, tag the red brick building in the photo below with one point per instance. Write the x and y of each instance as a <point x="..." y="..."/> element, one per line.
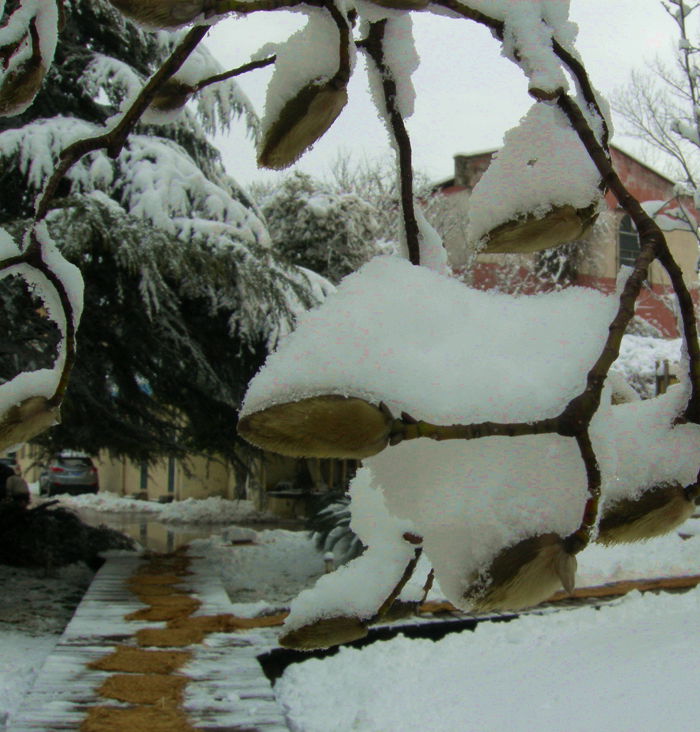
<point x="612" y="242"/>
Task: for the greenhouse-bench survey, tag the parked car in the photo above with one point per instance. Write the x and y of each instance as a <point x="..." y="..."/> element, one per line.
<point x="68" y="472"/>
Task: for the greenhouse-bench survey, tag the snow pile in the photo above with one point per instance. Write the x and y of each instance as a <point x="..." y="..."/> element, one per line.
<point x="542" y="165"/>
<point x="639" y="356"/>
<point x="531" y="673"/>
<point x="212" y="510"/>
<point x="442" y="352"/>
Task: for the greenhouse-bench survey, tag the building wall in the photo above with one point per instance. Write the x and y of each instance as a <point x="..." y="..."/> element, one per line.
<point x="601" y="265"/>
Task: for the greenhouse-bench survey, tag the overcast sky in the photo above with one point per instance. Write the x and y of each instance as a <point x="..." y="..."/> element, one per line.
<point x="467" y="94"/>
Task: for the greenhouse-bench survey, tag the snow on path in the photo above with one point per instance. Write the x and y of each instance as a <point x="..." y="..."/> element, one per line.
<point x="627" y="666"/>
<point x="22" y="656"/>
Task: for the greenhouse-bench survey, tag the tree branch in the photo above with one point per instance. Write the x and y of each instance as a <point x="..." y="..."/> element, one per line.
<point x="653" y="245"/>
<point x="579" y="540"/>
<point x="373" y="46"/>
<point x="250" y="66"/>
<point x="114" y="140"/>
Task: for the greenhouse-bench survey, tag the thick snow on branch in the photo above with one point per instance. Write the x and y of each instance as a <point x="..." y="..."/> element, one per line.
<point x="530" y="26"/>
<point x="42" y="382"/>
<point x="471" y="499"/>
<point x="159" y="182"/>
<point x="430" y="346"/>
<point x="687" y="131"/>
<point x="638" y="446"/>
<point x="295" y="67"/>
<point x="28" y="41"/>
<point x="109" y="79"/>
<point x="542" y="165"/>
<point x="347" y="591"/>
<point x="45" y="14"/>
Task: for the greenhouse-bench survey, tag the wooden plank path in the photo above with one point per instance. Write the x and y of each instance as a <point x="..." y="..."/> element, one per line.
<point x="228" y="690"/>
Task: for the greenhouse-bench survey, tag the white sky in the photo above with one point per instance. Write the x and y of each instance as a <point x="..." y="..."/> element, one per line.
<point x="467" y="94"/>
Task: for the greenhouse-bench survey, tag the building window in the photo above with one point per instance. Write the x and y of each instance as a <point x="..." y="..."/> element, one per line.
<point x="629" y="241"/>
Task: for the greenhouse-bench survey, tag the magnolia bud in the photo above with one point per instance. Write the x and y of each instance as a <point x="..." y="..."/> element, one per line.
<point x="26" y="420"/>
<point x="558" y="226"/>
<point x="322" y="426"/>
<point x="172" y="96"/>
<point x="162" y="13"/>
<point x="324" y="633"/>
<point x="655" y="512"/>
<point x="523" y="575"/>
<point x="302" y="121"/>
<point x="21" y="82"/>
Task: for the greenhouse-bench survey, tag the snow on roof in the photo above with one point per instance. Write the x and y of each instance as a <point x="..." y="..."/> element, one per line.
<point x="669" y="215"/>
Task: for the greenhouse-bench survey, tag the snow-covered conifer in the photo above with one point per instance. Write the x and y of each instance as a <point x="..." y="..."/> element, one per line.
<point x="185" y="292"/>
<point x="329" y="232"/>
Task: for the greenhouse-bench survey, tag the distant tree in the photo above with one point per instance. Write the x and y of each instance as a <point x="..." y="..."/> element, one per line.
<point x="326" y="230"/>
<point x="659" y="107"/>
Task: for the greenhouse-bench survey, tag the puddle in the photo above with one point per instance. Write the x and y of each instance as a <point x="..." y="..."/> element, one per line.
<point x="167" y="537"/>
<point x="151" y="534"/>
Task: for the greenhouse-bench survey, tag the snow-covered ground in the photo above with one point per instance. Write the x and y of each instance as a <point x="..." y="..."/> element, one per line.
<point x="629" y="665"/>
<point x="34" y="609"/>
<point x="213" y="510"/>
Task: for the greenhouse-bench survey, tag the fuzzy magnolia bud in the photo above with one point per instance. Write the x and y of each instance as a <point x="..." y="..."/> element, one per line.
<point x="302" y="121"/>
<point x="324" y="633"/>
<point x="558" y="226"/>
<point x="172" y="96"/>
<point x="322" y="426"/>
<point x="655" y="512"/>
<point x="162" y="13"/>
<point x="22" y="81"/>
<point x="26" y="420"/>
<point x="523" y="575"/>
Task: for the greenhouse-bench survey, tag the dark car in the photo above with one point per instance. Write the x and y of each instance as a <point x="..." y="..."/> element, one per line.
<point x="71" y="473"/>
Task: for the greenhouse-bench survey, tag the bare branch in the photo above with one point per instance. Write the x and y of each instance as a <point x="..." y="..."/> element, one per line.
<point x="373" y="45"/>
<point x="250" y="66"/>
<point x="579" y="540"/>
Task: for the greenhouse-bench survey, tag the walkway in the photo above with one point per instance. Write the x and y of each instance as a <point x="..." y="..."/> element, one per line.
<point x="153" y="646"/>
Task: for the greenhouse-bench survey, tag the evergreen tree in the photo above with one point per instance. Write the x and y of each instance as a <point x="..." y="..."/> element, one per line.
<point x="183" y="293"/>
<point x="332" y="233"/>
